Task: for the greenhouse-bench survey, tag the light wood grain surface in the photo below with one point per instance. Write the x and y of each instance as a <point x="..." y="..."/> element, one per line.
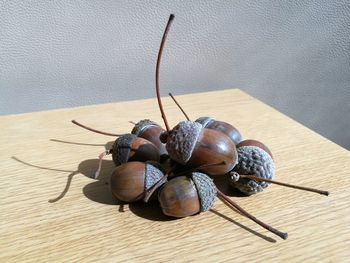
<point x="43" y="155"/>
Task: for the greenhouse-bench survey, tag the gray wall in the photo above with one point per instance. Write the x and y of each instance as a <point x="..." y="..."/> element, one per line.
<point x="293" y="55"/>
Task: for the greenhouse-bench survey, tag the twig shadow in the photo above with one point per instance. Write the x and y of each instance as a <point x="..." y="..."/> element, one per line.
<point x="97" y="191"/>
<point x="107" y="146"/>
<point x="268" y="239"/>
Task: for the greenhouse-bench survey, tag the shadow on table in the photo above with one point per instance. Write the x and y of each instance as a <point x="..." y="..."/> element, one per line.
<point x="98" y="190"/>
<point x="222" y="184"/>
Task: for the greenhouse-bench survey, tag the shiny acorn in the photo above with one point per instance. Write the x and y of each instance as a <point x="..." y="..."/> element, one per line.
<point x="184" y="196"/>
<point x="221" y="126"/>
<point x="254" y="158"/>
<point x="134" y="181"/>
<point x="188" y="143"/>
<point x="255" y="170"/>
<point x="187" y="195"/>
<point x="128" y="147"/>
<point x="150" y="131"/>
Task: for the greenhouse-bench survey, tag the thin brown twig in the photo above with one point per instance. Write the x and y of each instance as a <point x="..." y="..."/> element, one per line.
<point x="171" y="18"/>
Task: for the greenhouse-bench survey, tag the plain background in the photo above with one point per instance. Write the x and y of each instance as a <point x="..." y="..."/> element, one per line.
<point x="292" y="55"/>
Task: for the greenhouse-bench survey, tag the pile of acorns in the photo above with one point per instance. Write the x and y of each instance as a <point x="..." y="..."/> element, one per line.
<point x="176" y="166"/>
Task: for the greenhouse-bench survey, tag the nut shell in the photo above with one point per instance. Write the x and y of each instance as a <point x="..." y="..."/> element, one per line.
<point x="127" y="182"/>
<point x="151" y="131"/>
<point x="129" y="147"/>
<point x="221" y="126"/>
<point x="131" y="180"/>
<point x="179" y="197"/>
<point x="142" y="125"/>
<point x="252" y="160"/>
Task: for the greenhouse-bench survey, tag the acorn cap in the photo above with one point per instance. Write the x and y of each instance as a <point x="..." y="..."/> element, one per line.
<point x="142" y="125"/>
<point x="153" y="174"/>
<point x="122" y="148"/>
<point x="204" y="120"/>
<point x="255" y="161"/>
<point x="182" y="140"/>
<point x="206" y="190"/>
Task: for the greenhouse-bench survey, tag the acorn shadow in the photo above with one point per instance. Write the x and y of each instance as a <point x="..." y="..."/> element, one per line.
<point x="150" y="211"/>
<point x="97" y="191"/>
<point x="223" y="185"/>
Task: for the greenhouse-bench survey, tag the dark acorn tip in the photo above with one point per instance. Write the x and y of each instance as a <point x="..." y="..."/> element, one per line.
<point x="172" y="16"/>
<point x="164" y="137"/>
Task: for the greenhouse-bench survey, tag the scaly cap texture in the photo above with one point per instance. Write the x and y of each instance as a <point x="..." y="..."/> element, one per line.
<point x="121" y="148"/>
<point x="252" y="160"/>
<point x="152" y="175"/>
<point x="182" y="140"/>
<point x="206" y="190"/>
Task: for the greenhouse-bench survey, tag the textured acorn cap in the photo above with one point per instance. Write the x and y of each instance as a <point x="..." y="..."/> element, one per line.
<point x="121" y="148"/>
<point x="142" y="125"/>
<point x="206" y="190"/>
<point x="182" y="140"/>
<point x="255" y="161"/>
<point x="152" y="174"/>
<point x="204" y="120"/>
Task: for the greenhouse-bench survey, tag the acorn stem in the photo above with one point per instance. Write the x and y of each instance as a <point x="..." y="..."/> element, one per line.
<point x="257" y="178"/>
<point x="94" y="130"/>
<point x="171" y="18"/>
<point x="234" y="206"/>
<point x="184" y="113"/>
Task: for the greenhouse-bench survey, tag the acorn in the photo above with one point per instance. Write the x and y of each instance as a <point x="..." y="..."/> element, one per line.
<point x="151" y="131"/>
<point x="221" y="126"/>
<point x="133" y="181"/>
<point x="255" y="170"/>
<point x="187" y="195"/>
<point x="189" y="143"/>
<point x="254" y="158"/>
<point x="129" y="147"/>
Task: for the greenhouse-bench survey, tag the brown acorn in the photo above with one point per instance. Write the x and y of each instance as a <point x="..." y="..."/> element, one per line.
<point x="221" y="126"/>
<point x="129" y="147"/>
<point x="192" y="145"/>
<point x="187" y="195"/>
<point x="131" y="181"/>
<point x="254" y="158"/>
<point x="151" y="131"/>
<point x="255" y="170"/>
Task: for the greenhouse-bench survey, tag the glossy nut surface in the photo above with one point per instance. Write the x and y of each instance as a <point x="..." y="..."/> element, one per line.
<point x="127" y="182"/>
<point x="213" y="147"/>
<point x="150" y="131"/>
<point x="225" y="128"/>
<point x="179" y="197"/>
<point x="129" y="147"/>
<point x="255" y="143"/>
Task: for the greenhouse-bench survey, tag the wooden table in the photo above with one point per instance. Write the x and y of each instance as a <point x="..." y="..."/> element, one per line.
<point x="52" y="210"/>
